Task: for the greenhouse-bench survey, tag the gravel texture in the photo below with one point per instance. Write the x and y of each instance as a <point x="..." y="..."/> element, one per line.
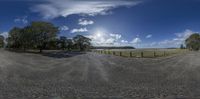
<point x="97" y="76"/>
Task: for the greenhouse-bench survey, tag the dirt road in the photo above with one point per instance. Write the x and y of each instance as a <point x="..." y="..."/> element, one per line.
<point x="95" y="76"/>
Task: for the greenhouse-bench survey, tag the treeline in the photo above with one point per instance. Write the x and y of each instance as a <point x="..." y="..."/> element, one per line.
<point x="43" y="35"/>
<point x="113" y="47"/>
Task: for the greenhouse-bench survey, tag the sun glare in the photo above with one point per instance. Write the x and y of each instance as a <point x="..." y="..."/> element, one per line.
<point x="99" y="34"/>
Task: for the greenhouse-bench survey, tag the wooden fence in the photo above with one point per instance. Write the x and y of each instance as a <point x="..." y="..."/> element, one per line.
<point x="141" y="54"/>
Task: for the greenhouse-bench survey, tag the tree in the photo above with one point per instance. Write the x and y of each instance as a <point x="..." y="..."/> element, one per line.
<point x="36" y="35"/>
<point x="182" y="46"/>
<point x="81" y="42"/>
<point x="1" y="41"/>
<point x="14" y="39"/>
<point x="43" y="33"/>
<point x="52" y="44"/>
<point x="63" y="42"/>
<point x="69" y="44"/>
<point x="20" y="38"/>
<point x="26" y="38"/>
<point x="193" y="42"/>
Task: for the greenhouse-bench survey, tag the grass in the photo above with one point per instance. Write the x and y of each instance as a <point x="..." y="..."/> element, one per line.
<point x="142" y="53"/>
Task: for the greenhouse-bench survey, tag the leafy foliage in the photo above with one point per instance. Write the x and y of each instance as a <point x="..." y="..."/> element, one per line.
<point x="14" y="39"/>
<point x="63" y="42"/>
<point x="1" y="41"/>
<point x="36" y="35"/>
<point x="43" y="32"/>
<point x="82" y="42"/>
<point x="43" y="35"/>
<point x="193" y="42"/>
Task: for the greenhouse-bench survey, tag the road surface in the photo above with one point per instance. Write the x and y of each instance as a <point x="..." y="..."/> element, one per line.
<point x="95" y="76"/>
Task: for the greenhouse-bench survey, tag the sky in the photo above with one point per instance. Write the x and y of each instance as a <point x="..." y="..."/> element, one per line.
<point x="138" y="23"/>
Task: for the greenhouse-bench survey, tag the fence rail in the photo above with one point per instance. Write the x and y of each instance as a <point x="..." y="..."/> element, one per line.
<point x="141" y="54"/>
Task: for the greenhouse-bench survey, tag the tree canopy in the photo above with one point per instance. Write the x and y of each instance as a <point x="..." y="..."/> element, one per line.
<point x="1" y="41"/>
<point x="43" y="32"/>
<point x="43" y="35"/>
<point x="193" y="42"/>
<point x="14" y="38"/>
<point x="82" y="42"/>
<point x="35" y="35"/>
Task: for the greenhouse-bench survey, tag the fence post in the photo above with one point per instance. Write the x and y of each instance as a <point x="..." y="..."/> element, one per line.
<point x="154" y="54"/>
<point x="142" y="54"/>
<point x="120" y="53"/>
<point x="113" y="52"/>
<point x="131" y="54"/>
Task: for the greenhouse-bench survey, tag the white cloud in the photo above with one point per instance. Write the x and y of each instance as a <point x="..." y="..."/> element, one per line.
<point x="149" y="36"/>
<point x="173" y="42"/>
<point x="85" y="22"/>
<point x="56" y="8"/>
<point x="185" y="34"/>
<point x="178" y="40"/>
<point x="4" y="34"/>
<point x="136" y="40"/>
<point x="110" y="41"/>
<point x="64" y="28"/>
<point x="106" y="39"/>
<point x="116" y="36"/>
<point x="124" y="41"/>
<point x="23" y="20"/>
<point x="79" y="30"/>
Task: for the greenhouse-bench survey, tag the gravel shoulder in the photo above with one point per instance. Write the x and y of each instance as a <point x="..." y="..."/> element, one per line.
<point x="96" y="76"/>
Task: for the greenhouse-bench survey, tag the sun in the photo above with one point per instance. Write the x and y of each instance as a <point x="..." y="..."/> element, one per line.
<point x="99" y="34"/>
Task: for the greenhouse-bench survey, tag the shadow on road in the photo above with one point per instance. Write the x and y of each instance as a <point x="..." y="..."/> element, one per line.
<point x="51" y="53"/>
<point x="62" y="54"/>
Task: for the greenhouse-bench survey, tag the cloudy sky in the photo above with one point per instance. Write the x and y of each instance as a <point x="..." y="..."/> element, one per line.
<point x="138" y="23"/>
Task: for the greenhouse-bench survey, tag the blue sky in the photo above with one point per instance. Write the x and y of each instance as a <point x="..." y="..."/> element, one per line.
<point x="139" y="23"/>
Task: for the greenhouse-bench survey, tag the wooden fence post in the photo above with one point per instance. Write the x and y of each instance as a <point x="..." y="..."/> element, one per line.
<point x="120" y="53"/>
<point x="142" y="54"/>
<point x="113" y="52"/>
<point x="131" y="54"/>
<point x="154" y="54"/>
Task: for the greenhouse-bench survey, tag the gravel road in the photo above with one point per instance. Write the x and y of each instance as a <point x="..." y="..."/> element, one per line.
<point x="95" y="76"/>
